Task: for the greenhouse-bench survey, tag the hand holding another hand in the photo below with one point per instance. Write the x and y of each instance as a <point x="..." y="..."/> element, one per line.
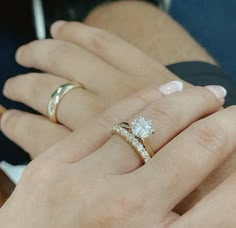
<point x="77" y="184"/>
<point x="97" y="60"/>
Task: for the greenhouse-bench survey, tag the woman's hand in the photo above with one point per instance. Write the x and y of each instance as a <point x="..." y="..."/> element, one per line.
<point x="76" y="185"/>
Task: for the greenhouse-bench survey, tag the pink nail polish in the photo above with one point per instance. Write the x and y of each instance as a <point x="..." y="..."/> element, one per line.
<point x="171" y="87"/>
<point x="219" y="91"/>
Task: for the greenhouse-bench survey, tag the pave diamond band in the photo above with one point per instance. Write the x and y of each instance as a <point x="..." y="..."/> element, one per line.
<point x="130" y="138"/>
<point x="56" y="98"/>
<point x="136" y="136"/>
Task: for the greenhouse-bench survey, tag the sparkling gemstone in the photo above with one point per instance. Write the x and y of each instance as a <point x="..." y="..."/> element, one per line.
<point x="124" y="133"/>
<point x="136" y="143"/>
<point x="142" y="127"/>
<point x="140" y="147"/>
<point x="115" y="128"/>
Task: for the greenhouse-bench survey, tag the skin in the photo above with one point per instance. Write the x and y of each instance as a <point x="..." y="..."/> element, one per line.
<point x="150" y="29"/>
<point x="118" y="192"/>
<point x="162" y="38"/>
<point x="116" y="75"/>
<point x="147" y="68"/>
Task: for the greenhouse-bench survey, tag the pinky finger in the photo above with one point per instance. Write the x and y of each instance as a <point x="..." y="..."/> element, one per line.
<point x="33" y="133"/>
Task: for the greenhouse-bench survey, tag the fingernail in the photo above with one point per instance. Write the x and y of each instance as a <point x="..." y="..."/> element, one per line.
<point x="56" y="26"/>
<point x="2" y="110"/>
<point x="219" y="91"/>
<point x="19" y="52"/>
<point x="171" y="87"/>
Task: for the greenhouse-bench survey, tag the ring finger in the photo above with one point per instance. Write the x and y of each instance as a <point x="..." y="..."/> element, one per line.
<point x="169" y="116"/>
<point x="36" y="89"/>
<point x="35" y="134"/>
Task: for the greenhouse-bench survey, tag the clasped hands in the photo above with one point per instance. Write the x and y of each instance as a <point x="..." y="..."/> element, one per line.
<point x="82" y="176"/>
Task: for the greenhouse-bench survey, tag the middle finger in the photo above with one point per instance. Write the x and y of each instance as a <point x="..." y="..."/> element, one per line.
<point x="71" y="62"/>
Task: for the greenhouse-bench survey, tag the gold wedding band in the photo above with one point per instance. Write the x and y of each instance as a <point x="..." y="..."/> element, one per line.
<point x="56" y="98"/>
<point x="136" y="135"/>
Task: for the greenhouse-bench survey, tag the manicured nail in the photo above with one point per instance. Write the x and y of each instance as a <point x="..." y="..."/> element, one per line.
<point x="56" y="26"/>
<point x="219" y="91"/>
<point x="171" y="87"/>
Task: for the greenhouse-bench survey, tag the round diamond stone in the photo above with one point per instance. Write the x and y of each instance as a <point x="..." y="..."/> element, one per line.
<point x="142" y="127"/>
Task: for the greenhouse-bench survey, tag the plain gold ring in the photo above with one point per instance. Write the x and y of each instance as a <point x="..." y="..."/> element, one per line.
<point x="56" y="98"/>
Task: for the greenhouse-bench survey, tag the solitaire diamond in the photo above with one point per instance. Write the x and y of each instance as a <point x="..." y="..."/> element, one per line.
<point x="142" y="128"/>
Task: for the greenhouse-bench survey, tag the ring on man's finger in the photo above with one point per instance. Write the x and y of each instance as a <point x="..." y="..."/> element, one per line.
<point x="56" y="98"/>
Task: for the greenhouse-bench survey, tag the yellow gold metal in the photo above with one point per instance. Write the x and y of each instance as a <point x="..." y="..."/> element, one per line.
<point x="132" y="141"/>
<point x="148" y="147"/>
<point x="140" y="145"/>
<point x="56" y="98"/>
<point x="145" y="142"/>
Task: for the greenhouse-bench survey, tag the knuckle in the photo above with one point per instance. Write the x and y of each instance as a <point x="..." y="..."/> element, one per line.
<point x="57" y="47"/>
<point x="100" y="40"/>
<point x="42" y="170"/>
<point x="47" y="53"/>
<point x="29" y="85"/>
<point x="144" y="97"/>
<point x="108" y="118"/>
<point x="9" y="122"/>
<point x="211" y="137"/>
<point x="168" y="113"/>
<point x="32" y="90"/>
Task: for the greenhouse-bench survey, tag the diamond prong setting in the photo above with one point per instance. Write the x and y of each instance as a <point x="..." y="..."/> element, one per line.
<point x="142" y="128"/>
<point x="133" y="141"/>
<point x="136" y="135"/>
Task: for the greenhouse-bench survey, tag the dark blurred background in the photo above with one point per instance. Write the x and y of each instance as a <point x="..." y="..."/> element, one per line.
<point x="211" y="22"/>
